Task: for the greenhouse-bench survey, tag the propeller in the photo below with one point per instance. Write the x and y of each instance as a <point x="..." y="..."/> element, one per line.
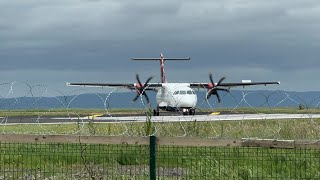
<point x="213" y="88"/>
<point x="141" y="88"/>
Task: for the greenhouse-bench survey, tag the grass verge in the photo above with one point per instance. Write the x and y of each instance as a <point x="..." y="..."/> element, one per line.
<point x="81" y="161"/>
<point x="298" y="129"/>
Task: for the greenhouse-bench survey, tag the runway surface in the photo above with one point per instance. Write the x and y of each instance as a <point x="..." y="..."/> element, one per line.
<point x="143" y="118"/>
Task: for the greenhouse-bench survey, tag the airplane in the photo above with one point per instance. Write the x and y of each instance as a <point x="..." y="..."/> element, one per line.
<point x="174" y="96"/>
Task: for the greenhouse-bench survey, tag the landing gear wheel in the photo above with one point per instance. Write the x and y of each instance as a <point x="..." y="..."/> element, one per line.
<point x="156" y="112"/>
<point x="192" y="111"/>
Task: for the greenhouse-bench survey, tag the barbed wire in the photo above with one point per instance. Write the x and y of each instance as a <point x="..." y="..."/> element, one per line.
<point x="37" y="109"/>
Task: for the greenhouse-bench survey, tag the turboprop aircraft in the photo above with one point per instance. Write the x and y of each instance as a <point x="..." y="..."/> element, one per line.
<point x="174" y="96"/>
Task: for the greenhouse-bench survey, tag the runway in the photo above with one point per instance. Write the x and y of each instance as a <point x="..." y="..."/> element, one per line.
<point x="143" y="118"/>
<point x="201" y="118"/>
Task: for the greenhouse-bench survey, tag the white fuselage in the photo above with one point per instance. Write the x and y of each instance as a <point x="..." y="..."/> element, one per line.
<point x="176" y="96"/>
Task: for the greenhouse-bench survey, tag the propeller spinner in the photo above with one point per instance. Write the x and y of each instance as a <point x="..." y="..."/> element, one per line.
<point x="214" y="88"/>
<point x="141" y="88"/>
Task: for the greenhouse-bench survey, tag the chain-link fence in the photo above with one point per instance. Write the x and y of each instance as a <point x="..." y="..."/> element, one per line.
<point x="37" y="109"/>
<point x="73" y="161"/>
<point x="22" y="95"/>
<point x="91" y="157"/>
<point x="87" y="119"/>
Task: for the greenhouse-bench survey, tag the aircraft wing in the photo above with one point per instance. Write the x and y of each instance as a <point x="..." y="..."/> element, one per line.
<point x="208" y="85"/>
<point x="132" y="86"/>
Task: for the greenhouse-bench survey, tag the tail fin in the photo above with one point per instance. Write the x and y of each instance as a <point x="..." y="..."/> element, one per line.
<point x="161" y="59"/>
<point x="163" y="76"/>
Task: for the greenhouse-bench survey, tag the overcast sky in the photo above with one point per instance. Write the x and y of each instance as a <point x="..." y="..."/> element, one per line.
<point x="52" y="42"/>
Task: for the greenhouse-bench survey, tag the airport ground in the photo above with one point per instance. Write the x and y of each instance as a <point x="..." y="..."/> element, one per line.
<point x="295" y="124"/>
<point x="288" y="124"/>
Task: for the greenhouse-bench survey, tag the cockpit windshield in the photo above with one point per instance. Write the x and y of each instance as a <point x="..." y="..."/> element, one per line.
<point x="182" y="92"/>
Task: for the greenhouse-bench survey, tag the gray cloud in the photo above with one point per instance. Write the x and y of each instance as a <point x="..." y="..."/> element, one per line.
<point x="85" y="36"/>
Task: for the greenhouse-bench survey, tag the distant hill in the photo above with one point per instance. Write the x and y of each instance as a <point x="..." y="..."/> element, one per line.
<point x="236" y="98"/>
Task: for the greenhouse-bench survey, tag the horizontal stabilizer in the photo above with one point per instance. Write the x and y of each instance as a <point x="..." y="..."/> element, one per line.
<point x="158" y="59"/>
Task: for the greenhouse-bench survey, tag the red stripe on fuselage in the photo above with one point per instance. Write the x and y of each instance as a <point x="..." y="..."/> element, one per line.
<point x="163" y="77"/>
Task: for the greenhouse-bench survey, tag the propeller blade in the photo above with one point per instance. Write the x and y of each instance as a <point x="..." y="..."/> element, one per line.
<point x="138" y="79"/>
<point x="218" y="97"/>
<point x="221" y="89"/>
<point x="222" y="79"/>
<point x="147" y="98"/>
<point x="211" y="79"/>
<point x="214" y="90"/>
<point x="141" y="88"/>
<point x="209" y="94"/>
<point x="135" y="99"/>
<point x="149" y="79"/>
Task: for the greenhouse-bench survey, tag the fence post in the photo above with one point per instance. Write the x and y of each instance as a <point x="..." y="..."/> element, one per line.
<point x="152" y="164"/>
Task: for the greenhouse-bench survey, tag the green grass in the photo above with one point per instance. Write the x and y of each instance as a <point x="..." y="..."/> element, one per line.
<point x="297" y="129"/>
<point x="242" y="163"/>
<point x="48" y="160"/>
<point x="132" y="161"/>
<point x="65" y="112"/>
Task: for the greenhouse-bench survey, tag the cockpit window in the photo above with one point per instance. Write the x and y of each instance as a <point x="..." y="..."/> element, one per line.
<point x="183" y="92"/>
<point x="190" y="92"/>
<point x="176" y="92"/>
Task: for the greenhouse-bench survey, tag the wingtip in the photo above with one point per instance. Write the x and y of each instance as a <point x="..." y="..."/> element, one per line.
<point x="67" y="84"/>
<point x="279" y="82"/>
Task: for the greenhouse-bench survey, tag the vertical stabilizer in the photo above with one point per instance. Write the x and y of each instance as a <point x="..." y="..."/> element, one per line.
<point x="163" y="76"/>
<point x="162" y="60"/>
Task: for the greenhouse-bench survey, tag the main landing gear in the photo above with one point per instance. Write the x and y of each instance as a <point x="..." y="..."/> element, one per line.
<point x="156" y="112"/>
<point x="188" y="111"/>
<point x="185" y="111"/>
<point x="192" y="112"/>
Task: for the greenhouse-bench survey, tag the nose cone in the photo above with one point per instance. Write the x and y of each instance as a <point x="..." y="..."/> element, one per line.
<point x="187" y="101"/>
